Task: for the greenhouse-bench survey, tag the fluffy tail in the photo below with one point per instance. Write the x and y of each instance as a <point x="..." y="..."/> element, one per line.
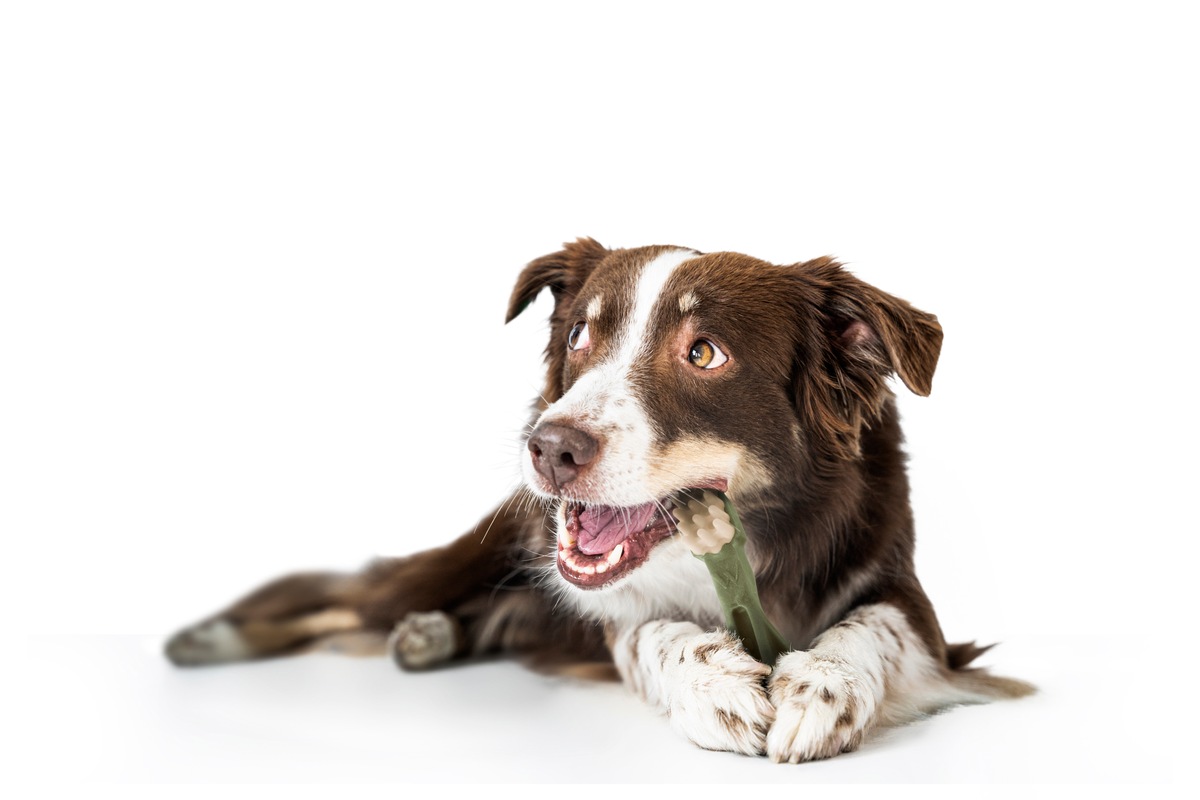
<point x="978" y="681"/>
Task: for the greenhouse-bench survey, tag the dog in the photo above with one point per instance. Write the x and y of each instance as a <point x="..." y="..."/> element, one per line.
<point x="669" y="369"/>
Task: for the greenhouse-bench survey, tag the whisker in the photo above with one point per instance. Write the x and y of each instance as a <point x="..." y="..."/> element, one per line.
<point x="499" y="513"/>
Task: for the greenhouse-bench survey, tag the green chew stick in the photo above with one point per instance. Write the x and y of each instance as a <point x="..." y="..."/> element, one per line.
<point x="710" y="525"/>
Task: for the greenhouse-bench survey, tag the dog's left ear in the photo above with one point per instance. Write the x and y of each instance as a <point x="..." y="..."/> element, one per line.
<point x="865" y="335"/>
<point x="563" y="273"/>
<point x="870" y="335"/>
<point x="872" y="331"/>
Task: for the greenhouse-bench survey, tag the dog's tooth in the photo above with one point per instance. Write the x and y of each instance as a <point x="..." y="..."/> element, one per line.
<point x="588" y="570"/>
<point x="601" y="566"/>
<point x="615" y="555"/>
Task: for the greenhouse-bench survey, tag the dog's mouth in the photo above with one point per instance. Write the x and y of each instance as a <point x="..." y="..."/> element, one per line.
<point x="600" y="544"/>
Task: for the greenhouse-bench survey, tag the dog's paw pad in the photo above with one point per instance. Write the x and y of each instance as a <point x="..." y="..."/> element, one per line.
<point x="822" y="708"/>
<point x="213" y="642"/>
<point x="424" y="639"/>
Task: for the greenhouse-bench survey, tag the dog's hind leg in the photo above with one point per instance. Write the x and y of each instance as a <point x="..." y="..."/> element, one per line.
<point x="518" y="620"/>
<point x="287" y="615"/>
<point x="470" y="597"/>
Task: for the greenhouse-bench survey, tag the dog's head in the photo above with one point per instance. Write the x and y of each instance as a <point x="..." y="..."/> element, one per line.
<point x="671" y="369"/>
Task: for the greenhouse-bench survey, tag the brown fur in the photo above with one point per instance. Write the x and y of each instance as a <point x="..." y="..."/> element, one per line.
<point x="834" y="531"/>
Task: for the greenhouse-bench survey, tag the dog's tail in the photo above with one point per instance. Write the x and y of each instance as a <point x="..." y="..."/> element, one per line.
<point x="956" y="683"/>
<point x="977" y="682"/>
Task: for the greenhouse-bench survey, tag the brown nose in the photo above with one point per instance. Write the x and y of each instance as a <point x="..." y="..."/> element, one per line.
<point x="560" y="452"/>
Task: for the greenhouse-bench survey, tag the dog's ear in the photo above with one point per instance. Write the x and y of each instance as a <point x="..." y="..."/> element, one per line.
<point x="871" y="330"/>
<point x="563" y="273"/>
<point x="865" y="335"/>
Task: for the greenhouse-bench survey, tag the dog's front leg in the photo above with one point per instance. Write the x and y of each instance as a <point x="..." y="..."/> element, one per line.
<point x="864" y="670"/>
<point x="712" y="690"/>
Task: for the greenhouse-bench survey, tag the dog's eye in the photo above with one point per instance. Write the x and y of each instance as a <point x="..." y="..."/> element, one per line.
<point x="579" y="338"/>
<point x="706" y="355"/>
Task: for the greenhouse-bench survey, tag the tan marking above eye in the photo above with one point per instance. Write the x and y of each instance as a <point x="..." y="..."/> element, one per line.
<point x="593" y="307"/>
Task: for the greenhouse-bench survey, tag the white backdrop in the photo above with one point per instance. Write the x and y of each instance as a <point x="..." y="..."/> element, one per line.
<point x="255" y="259"/>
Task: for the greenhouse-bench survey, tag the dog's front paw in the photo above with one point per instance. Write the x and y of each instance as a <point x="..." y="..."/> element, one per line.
<point x="822" y="708"/>
<point x="717" y="695"/>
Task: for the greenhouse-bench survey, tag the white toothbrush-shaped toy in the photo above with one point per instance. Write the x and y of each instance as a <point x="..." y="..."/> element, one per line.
<point x="709" y="524"/>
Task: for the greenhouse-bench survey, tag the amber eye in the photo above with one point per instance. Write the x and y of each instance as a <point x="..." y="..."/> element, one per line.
<point x="579" y="338"/>
<point x="706" y="355"/>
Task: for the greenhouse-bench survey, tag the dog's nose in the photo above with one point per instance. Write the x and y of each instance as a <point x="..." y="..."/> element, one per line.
<point x="560" y="452"/>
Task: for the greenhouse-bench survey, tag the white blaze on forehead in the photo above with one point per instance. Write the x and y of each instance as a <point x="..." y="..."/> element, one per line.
<point x="650" y="283"/>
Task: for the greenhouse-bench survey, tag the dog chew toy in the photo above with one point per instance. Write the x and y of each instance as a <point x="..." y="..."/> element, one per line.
<point x="712" y="530"/>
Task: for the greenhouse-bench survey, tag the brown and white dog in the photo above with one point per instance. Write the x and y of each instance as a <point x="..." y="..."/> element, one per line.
<point x="672" y="369"/>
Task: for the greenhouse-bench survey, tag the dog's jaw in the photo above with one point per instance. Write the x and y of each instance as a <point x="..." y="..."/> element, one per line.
<point x="625" y="540"/>
<point x="668" y="582"/>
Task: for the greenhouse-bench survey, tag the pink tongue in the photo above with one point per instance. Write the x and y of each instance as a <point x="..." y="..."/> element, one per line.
<point x="601" y="528"/>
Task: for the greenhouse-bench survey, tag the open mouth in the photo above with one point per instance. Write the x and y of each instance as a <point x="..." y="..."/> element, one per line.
<point x="602" y="543"/>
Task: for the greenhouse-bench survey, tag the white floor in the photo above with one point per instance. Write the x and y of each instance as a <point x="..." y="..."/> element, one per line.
<point x="109" y="709"/>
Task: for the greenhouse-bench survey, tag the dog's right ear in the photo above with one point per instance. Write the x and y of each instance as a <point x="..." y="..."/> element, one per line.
<point x="563" y="272"/>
